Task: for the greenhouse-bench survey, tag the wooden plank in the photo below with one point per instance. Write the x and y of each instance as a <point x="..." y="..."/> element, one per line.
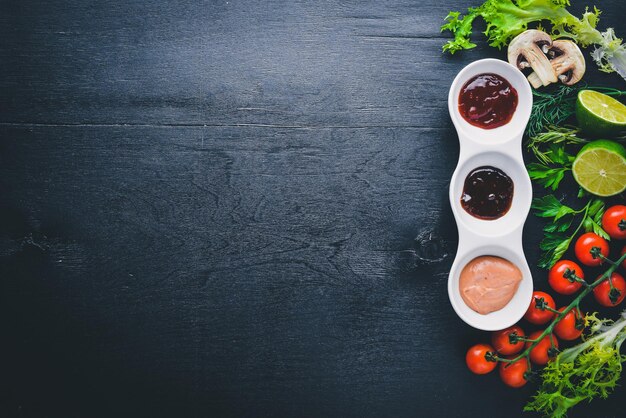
<point x="330" y="64"/>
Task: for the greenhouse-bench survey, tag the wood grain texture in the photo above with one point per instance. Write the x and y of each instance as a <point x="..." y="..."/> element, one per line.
<point x="235" y="208"/>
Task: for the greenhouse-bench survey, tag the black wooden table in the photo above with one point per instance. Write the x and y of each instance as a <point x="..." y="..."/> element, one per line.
<point x="236" y="208"/>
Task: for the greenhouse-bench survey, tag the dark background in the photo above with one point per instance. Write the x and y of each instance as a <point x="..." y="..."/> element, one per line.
<point x="236" y="208"/>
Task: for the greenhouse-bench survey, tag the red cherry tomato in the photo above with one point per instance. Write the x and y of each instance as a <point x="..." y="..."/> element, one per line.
<point x="558" y="280"/>
<point x="584" y="245"/>
<point x="514" y="374"/>
<point x="476" y="359"/>
<point x="614" y="221"/>
<point x="571" y="325"/>
<point x="607" y="296"/>
<point x="534" y="314"/>
<point x="501" y="340"/>
<point x="542" y="352"/>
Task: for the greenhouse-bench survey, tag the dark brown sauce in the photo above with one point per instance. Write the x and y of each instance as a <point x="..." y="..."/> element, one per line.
<point x="487" y="193"/>
<point x="487" y="101"/>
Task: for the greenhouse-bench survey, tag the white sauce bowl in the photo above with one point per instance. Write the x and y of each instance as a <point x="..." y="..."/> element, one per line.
<point x="501" y="148"/>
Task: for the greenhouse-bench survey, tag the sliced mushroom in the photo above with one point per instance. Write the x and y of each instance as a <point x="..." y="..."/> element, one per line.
<point x="529" y="49"/>
<point x="568" y="62"/>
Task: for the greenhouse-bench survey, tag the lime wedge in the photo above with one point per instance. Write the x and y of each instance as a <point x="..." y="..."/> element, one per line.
<point x="599" y="114"/>
<point x="600" y="168"/>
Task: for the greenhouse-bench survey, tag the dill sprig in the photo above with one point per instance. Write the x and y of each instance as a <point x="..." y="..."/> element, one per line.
<point x="554" y="106"/>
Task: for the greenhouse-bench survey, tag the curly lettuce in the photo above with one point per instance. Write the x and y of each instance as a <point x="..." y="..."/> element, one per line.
<point x="507" y="18"/>
<point x="586" y="371"/>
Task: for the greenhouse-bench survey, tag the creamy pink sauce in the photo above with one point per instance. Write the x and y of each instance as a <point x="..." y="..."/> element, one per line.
<point x="488" y="283"/>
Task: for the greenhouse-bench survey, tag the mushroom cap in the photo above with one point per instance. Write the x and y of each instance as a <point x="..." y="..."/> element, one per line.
<point x="570" y="61"/>
<point x="528" y="47"/>
<point x="526" y="39"/>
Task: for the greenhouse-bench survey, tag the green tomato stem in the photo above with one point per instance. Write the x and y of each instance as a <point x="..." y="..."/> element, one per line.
<point x="572" y="277"/>
<point x="553" y="347"/>
<point x="549" y="309"/>
<point x="601" y="256"/>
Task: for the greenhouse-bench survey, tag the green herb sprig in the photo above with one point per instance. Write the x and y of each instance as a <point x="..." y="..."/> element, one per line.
<point x="559" y="233"/>
<point x="555" y="162"/>
<point x="554" y="135"/>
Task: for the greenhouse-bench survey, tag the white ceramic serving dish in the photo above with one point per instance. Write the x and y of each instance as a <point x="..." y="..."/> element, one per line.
<point x="502" y="148"/>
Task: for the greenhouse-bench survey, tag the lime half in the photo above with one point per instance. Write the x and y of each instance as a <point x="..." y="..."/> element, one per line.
<point x="599" y="114"/>
<point x="600" y="168"/>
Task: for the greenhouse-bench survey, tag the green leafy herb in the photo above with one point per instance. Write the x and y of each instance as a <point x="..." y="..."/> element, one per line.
<point x="558" y="234"/>
<point x="555" y="105"/>
<point x="548" y="177"/>
<point x="507" y="18"/>
<point x="555" y="162"/>
<point x="586" y="371"/>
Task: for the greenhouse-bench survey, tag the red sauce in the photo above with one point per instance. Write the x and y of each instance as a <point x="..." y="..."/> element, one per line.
<point x="487" y="101"/>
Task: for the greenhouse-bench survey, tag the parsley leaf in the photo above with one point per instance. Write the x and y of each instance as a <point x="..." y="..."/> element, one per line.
<point x="548" y="176"/>
<point x="558" y="234"/>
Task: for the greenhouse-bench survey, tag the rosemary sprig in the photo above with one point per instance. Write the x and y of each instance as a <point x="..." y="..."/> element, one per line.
<point x="553" y="135"/>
